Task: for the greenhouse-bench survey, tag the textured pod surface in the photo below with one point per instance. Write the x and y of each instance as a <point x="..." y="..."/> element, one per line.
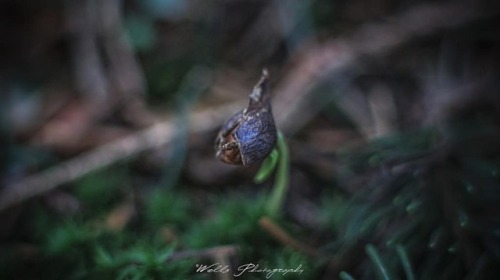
<point x="249" y="136"/>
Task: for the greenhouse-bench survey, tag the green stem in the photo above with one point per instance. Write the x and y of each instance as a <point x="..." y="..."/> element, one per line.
<point x="267" y="167"/>
<point x="281" y="179"/>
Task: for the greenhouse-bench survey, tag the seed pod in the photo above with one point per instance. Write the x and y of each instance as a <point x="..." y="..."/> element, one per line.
<point x="249" y="136"/>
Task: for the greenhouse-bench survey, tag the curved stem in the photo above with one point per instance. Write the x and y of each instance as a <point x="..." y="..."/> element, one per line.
<point x="281" y="179"/>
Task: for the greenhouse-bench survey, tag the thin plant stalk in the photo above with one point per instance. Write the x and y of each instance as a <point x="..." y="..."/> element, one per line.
<point x="281" y="179"/>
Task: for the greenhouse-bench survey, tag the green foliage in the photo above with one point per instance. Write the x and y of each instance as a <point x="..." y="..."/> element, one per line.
<point x="82" y="252"/>
<point x="81" y="247"/>
<point x="414" y="207"/>
<point x="396" y="147"/>
<point x="168" y="208"/>
<point x="68" y="238"/>
<point x="234" y="220"/>
<point x="291" y="259"/>
<point x="381" y="270"/>
<point x="102" y="189"/>
<point x="405" y="261"/>
<point x="140" y="262"/>
<point x="335" y="208"/>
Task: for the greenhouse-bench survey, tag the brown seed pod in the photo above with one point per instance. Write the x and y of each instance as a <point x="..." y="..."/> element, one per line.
<point x="249" y="136"/>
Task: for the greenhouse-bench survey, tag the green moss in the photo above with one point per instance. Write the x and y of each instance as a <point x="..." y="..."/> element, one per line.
<point x="234" y="221"/>
<point x="100" y="190"/>
<point x="168" y="208"/>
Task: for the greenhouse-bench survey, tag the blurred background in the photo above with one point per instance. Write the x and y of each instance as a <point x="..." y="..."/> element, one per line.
<point x="109" y="110"/>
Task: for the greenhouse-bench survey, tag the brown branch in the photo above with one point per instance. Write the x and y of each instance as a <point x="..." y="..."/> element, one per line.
<point x="284" y="238"/>
<point x="334" y="59"/>
<point x="150" y="138"/>
<point x="90" y="78"/>
<point x="125" y="73"/>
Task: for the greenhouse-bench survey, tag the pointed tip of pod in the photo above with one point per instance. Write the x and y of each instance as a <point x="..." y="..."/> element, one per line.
<point x="265" y="73"/>
<point x="260" y="88"/>
<point x="263" y="79"/>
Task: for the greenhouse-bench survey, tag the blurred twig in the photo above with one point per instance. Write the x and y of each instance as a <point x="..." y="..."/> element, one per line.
<point x="275" y="22"/>
<point x="106" y="71"/>
<point x="149" y="138"/>
<point x="89" y="71"/>
<point x="284" y="238"/>
<point x="125" y="72"/>
<point x="334" y="59"/>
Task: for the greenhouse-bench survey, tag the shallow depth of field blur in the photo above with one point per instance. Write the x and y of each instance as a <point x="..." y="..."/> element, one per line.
<point x="109" y="110"/>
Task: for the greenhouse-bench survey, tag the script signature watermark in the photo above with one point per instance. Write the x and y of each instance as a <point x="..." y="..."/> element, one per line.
<point x="247" y="268"/>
